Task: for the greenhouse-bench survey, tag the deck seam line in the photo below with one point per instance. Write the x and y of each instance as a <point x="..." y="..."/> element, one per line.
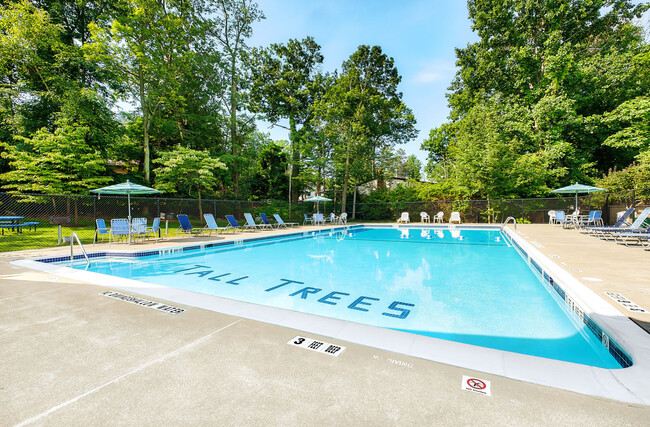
<point x="35" y="293"/>
<point x="133" y="371"/>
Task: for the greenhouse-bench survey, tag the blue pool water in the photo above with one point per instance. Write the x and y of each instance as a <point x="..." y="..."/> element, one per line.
<point x="468" y="286"/>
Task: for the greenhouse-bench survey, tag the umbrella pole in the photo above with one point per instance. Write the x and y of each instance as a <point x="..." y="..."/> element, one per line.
<point x="128" y="196"/>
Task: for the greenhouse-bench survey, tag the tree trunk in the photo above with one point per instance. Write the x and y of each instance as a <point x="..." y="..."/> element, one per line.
<point x="76" y="211"/>
<point x="200" y="205"/>
<point x="234" y="138"/>
<point x="354" y="201"/>
<point x="295" y="158"/>
<point x="145" y="125"/>
<point x="346" y="176"/>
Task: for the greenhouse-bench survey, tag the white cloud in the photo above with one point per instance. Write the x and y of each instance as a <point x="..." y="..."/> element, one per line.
<point x="434" y="71"/>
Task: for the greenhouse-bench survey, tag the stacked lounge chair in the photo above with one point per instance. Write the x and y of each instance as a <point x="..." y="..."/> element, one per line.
<point x="250" y="223"/>
<point x="619" y="223"/>
<point x="265" y="220"/>
<point x="234" y="225"/>
<point x="211" y="225"/>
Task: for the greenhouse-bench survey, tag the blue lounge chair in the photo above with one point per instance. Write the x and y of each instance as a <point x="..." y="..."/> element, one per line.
<point x="619" y="223"/>
<point x="307" y="220"/>
<point x="101" y="230"/>
<point x="211" y="224"/>
<point x="120" y="229"/>
<point x="282" y="224"/>
<point x="638" y="228"/>
<point x="250" y="223"/>
<point x="186" y="226"/>
<point x="265" y="220"/>
<point x="233" y="224"/>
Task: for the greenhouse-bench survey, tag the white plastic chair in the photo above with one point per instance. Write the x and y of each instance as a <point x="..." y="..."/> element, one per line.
<point x="343" y="218"/>
<point x="404" y="218"/>
<point x="424" y="217"/>
<point x="552" y="219"/>
<point x="455" y="217"/>
<point x="438" y="217"/>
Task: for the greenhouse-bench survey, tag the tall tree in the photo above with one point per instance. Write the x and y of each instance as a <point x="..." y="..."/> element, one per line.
<point x="562" y="66"/>
<point x="363" y="110"/>
<point x="234" y="25"/>
<point x="148" y="45"/>
<point x="283" y="85"/>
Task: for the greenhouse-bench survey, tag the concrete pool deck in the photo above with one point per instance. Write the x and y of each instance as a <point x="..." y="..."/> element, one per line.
<point x="72" y="356"/>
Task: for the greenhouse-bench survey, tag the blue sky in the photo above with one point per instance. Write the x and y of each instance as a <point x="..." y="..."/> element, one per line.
<point x="420" y="35"/>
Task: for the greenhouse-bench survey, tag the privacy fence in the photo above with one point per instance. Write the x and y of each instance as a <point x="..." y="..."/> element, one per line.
<point x="29" y="221"/>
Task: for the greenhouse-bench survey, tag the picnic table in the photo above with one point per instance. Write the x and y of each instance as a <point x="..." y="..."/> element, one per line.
<point x="13" y="223"/>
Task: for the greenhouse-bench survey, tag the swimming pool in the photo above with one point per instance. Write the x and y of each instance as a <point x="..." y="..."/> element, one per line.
<point x="464" y="285"/>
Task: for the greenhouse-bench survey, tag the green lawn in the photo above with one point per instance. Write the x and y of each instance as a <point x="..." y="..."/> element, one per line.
<point x="46" y="235"/>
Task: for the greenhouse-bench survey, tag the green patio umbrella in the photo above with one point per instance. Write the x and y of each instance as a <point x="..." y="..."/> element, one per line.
<point x="127" y="188"/>
<point x="578" y="189"/>
<point x="318" y="199"/>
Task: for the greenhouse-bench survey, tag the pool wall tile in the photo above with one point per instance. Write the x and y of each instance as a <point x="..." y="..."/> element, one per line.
<point x="614" y="349"/>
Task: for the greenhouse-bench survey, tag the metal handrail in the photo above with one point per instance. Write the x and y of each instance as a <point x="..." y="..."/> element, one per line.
<point x="80" y="245"/>
<point x="513" y="220"/>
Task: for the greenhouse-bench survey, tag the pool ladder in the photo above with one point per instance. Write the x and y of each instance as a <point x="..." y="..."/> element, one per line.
<point x="74" y="237"/>
<point x="513" y="220"/>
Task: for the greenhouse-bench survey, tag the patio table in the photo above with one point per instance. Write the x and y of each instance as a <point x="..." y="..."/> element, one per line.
<point x="12" y="222"/>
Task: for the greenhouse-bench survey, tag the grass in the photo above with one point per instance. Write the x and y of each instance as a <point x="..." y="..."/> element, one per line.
<point x="46" y="235"/>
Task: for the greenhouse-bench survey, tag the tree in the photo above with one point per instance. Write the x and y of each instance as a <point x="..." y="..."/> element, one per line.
<point x="58" y="162"/>
<point x="184" y="169"/>
<point x="272" y="179"/>
<point x="363" y="110"/>
<point x="412" y="168"/>
<point x="283" y="87"/>
<point x="148" y="46"/>
<point x="437" y="147"/>
<point x="544" y="79"/>
<point x="234" y="25"/>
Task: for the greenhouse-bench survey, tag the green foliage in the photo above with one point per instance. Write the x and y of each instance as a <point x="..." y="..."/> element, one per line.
<point x="284" y="86"/>
<point x="362" y="111"/>
<point x="184" y="168"/>
<point x="59" y="162"/>
<point x="272" y="180"/>
<point x="552" y="93"/>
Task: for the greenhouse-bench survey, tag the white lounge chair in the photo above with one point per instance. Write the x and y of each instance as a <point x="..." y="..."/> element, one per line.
<point x="438" y="217"/>
<point x="455" y="217"/>
<point x="404" y="218"/>
<point x="424" y="217"/>
<point x="343" y="218"/>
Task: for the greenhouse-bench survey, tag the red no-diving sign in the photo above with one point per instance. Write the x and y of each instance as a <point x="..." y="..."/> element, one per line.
<point x="476" y="385"/>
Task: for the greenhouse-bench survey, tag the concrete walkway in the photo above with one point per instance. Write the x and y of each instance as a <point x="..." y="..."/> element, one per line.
<point x="71" y="356"/>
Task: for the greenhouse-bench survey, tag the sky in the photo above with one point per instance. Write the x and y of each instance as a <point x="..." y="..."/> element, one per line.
<point x="420" y="35"/>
